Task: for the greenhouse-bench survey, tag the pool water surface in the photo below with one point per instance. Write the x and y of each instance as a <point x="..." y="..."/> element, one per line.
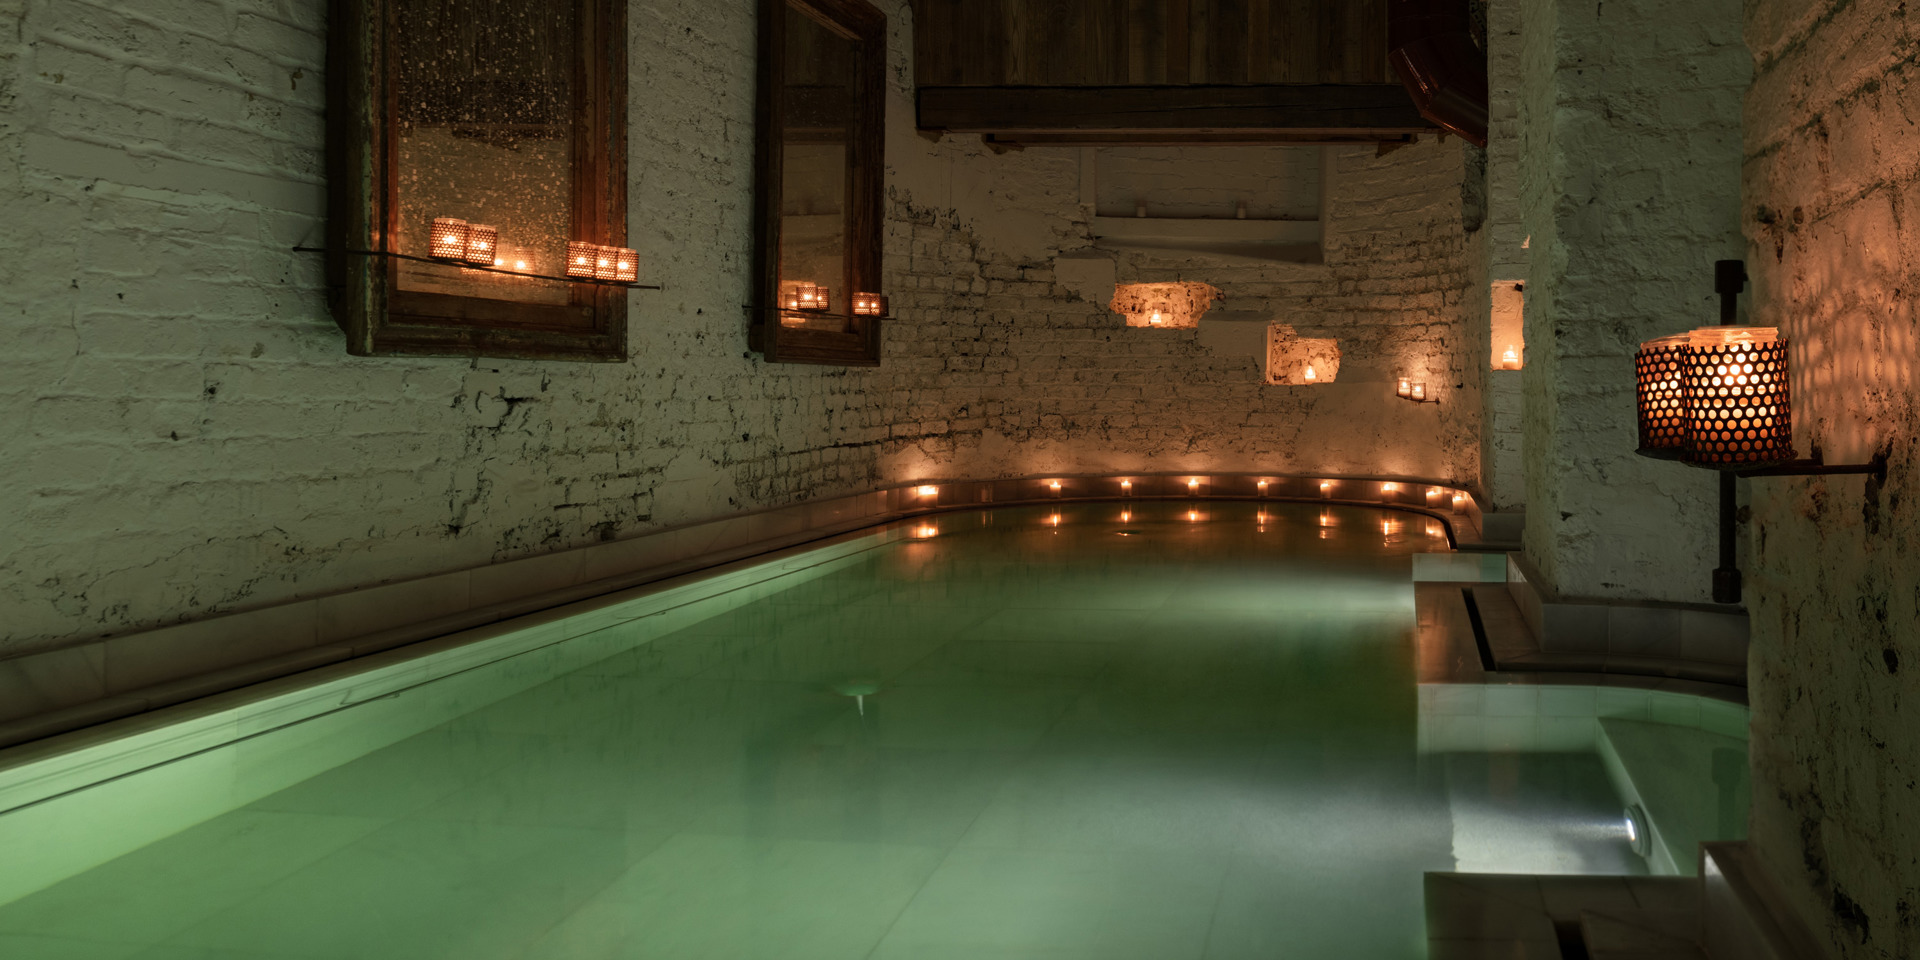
<point x="1185" y="731"/>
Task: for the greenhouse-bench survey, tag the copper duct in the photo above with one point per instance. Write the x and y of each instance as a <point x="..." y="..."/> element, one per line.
<point x="1430" y="44"/>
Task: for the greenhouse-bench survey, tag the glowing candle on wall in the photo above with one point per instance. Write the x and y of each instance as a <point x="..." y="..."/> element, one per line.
<point x="927" y="490"/>
<point x="626" y="264"/>
<point x="580" y="258"/>
<point x="606" y="265"/>
<point x="1126" y="488"/>
<point x="1459" y="503"/>
<point x="869" y="305"/>
<point x="1309" y="377"/>
<point x="1389" y="488"/>
<point x="449" y="238"/>
<point x="1404" y="388"/>
<point x="1055" y="487"/>
<point x="1511" y="359"/>
<point x="1262" y="485"/>
<point x="1155" y="319"/>
<point x="1433" y="496"/>
<point x="1419" y="391"/>
<point x="1193" y="487"/>
<point x="481" y="241"/>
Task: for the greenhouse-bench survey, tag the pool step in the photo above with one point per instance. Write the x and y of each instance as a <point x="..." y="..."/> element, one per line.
<point x="1486" y="916"/>
<point x="1515" y="647"/>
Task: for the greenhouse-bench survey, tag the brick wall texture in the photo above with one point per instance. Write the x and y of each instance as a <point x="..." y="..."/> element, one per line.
<point x="1832" y="218"/>
<point x="185" y="434"/>
<point x="1629" y="150"/>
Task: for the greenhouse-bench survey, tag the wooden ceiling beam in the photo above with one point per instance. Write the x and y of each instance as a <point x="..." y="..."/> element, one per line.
<point x="1377" y="109"/>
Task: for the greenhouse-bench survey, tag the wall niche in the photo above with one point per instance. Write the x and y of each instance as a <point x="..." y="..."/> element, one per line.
<point x="1173" y="306"/>
<point x="1300" y="361"/>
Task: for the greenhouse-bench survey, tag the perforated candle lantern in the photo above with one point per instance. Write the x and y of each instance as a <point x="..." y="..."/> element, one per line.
<point x="626" y="265"/>
<point x="869" y="305"/>
<point x="822" y="300"/>
<point x="606" y="263"/>
<point x="580" y="259"/>
<point x="483" y="243"/>
<point x="449" y="238"/>
<point x="1659" y="370"/>
<point x="1738" y="400"/>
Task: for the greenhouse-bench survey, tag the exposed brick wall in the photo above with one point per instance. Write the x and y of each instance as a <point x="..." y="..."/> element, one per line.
<point x="186" y="434"/>
<point x="1832" y="215"/>
<point x="1629" y="128"/>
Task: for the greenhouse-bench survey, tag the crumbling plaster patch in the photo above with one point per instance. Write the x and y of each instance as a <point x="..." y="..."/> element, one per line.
<point x="1832" y="219"/>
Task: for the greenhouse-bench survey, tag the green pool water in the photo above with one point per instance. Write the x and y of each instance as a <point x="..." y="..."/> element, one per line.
<point x="1192" y="732"/>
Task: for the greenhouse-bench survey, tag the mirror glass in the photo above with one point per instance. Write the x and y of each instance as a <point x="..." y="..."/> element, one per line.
<point x="485" y="135"/>
<point x="818" y="125"/>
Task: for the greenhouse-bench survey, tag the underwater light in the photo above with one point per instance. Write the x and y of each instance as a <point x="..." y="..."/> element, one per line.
<point x="1638" y="834"/>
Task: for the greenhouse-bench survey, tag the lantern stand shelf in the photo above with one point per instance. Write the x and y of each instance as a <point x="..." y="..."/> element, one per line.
<point x="1729" y="280"/>
<point x="469" y="266"/>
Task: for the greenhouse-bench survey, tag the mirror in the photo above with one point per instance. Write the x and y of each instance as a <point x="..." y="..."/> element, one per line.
<point x="818" y="202"/>
<point x="475" y="149"/>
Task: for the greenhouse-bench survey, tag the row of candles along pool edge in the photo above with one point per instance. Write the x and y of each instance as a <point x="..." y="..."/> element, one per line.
<point x="1391" y="528"/>
<point x="1457" y="503"/>
<point x="477" y="244"/>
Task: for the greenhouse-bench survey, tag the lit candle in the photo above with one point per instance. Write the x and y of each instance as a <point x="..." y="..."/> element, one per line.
<point x="449" y="238"/>
<point x="1511" y="359"/>
<point x="1389" y="488"/>
<point x="1433" y="495"/>
<point x="1420" y="391"/>
<point x="580" y="258"/>
<point x="606" y="263"/>
<point x="1155" y="319"/>
<point x="928" y="490"/>
<point x="1459" y="503"/>
<point x="1326" y="487"/>
<point x="1126" y="488"/>
<point x="821" y="299"/>
<point x="869" y="305"/>
<point x="1404" y="388"/>
<point x="1193" y="486"/>
<point x="1310" y="377"/>
<point x="481" y="241"/>
<point x="1055" y="487"/>
<point x="626" y="265"/>
<point x="1263" y="487"/>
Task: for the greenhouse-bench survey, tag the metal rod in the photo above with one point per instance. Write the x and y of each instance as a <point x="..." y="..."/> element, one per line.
<point x="469" y="266"/>
<point x="1814" y="468"/>
<point x="1729" y="278"/>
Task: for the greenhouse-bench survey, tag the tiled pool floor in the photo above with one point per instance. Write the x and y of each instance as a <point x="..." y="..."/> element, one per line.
<point x="1197" y="740"/>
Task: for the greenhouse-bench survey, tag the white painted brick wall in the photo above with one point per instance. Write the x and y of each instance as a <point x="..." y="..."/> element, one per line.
<point x="185" y="434"/>
<point x="1832" y="215"/>
<point x="1630" y="154"/>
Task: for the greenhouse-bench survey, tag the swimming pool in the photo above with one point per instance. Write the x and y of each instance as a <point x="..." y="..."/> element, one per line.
<point x="1155" y="729"/>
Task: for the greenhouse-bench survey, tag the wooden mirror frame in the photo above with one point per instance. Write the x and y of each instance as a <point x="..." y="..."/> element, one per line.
<point x="861" y="22"/>
<point x="362" y="123"/>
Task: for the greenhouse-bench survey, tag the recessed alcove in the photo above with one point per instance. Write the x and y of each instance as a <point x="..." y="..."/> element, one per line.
<point x="1178" y="305"/>
<point x="1300" y="361"/>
